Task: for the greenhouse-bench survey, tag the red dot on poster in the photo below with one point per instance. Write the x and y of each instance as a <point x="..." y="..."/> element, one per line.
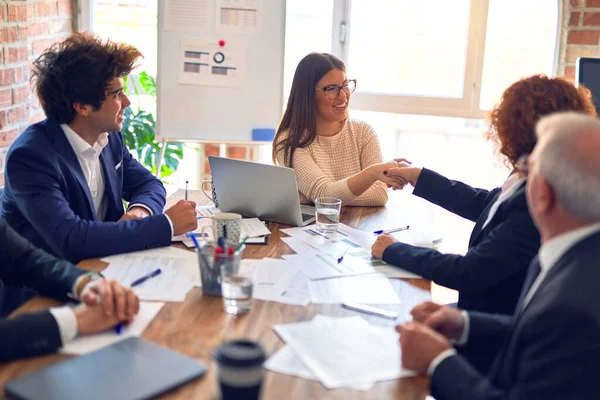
<point x="221" y="43"/>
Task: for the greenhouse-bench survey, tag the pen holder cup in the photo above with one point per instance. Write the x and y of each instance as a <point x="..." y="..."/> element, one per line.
<point x="211" y="265"/>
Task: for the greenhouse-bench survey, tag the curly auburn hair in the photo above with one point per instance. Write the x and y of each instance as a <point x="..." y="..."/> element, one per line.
<point x="524" y="103"/>
<point x="79" y="70"/>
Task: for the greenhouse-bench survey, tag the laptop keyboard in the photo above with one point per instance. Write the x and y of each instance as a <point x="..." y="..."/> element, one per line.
<point x="306" y="217"/>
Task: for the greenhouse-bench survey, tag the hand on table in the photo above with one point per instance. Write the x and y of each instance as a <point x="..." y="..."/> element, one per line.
<point x="115" y="300"/>
<point x="446" y="320"/>
<point x="420" y="345"/>
<point x="383" y="242"/>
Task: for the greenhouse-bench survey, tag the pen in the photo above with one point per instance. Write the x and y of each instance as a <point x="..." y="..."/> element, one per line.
<point x="243" y="242"/>
<point x="391" y="230"/>
<point x="118" y="328"/>
<point x="186" y="187"/>
<point x="144" y="278"/>
<point x="318" y="233"/>
<point x="341" y="258"/>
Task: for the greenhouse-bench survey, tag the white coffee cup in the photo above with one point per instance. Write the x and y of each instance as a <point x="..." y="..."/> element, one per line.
<point x="227" y="226"/>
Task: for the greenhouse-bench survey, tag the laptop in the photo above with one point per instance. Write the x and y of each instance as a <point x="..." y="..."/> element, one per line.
<point x="130" y="369"/>
<point x="258" y="190"/>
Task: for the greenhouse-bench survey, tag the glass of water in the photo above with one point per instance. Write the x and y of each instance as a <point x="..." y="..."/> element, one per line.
<point x="328" y="214"/>
<point x="236" y="289"/>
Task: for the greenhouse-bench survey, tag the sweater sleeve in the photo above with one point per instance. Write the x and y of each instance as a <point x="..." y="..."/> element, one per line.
<point x="312" y="182"/>
<point x="370" y="153"/>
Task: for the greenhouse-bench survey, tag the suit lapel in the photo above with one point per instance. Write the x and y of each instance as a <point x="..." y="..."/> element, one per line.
<point x="63" y="147"/>
<point x="110" y="178"/>
<point x="478" y="230"/>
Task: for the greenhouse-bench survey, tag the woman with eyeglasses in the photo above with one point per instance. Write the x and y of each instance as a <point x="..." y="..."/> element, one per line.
<point x="489" y="277"/>
<point x="333" y="155"/>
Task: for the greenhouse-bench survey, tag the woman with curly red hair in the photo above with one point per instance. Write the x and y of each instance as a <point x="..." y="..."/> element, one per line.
<point x="490" y="275"/>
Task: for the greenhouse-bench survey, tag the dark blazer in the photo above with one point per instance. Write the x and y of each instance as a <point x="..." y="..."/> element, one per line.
<point x="22" y="265"/>
<point x="549" y="351"/>
<point x="490" y="276"/>
<point x="47" y="199"/>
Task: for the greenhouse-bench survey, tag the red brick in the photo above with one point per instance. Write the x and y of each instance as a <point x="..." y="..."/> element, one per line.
<point x="577" y="3"/>
<point x="8" y="136"/>
<point x="46" y="9"/>
<point x="593" y="3"/>
<point x="17" y="114"/>
<point x="591" y="19"/>
<point x="30" y="11"/>
<point x="236" y="152"/>
<point x="21" y="94"/>
<point x="5" y="97"/>
<point x="16" y="54"/>
<point x="569" y="73"/>
<point x="21" y="74"/>
<point x="37" y="29"/>
<point x="65" y="8"/>
<point x="574" y="19"/>
<point x="59" y="26"/>
<point x="40" y="45"/>
<point x="8" y="34"/>
<point x="17" y="13"/>
<point x="2" y="12"/>
<point x="583" y="37"/>
<point x="574" y="52"/>
<point x="23" y="32"/>
<point x="7" y="76"/>
<point x="1" y="180"/>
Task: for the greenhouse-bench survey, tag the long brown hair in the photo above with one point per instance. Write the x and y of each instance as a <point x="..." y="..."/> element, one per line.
<point x="300" y="117"/>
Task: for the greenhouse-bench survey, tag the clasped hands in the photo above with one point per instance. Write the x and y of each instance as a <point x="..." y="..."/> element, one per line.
<point x="428" y="334"/>
<point x="398" y="173"/>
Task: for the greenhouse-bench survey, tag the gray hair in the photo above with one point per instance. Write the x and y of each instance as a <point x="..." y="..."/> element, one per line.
<point x="569" y="160"/>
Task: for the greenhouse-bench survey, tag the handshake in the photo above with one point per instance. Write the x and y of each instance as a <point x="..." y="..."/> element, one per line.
<point x="397" y="173"/>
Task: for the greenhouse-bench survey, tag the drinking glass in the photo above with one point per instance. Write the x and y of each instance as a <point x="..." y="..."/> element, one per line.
<point x="328" y="214"/>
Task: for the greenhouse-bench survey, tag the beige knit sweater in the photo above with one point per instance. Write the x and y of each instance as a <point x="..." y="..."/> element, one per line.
<point x="322" y="169"/>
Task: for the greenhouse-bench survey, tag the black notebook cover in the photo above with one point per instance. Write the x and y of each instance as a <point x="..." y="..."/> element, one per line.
<point x="130" y="369"/>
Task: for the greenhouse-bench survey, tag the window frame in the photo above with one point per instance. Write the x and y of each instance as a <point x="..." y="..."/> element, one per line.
<point x="465" y="107"/>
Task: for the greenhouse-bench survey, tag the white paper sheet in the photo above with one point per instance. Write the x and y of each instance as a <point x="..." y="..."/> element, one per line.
<point x="251" y="227"/>
<point x="188" y="15"/>
<point x="278" y="281"/>
<point x="334" y="244"/>
<point x="85" y="344"/>
<point x="322" y="265"/>
<point x="285" y="361"/>
<point x="366" y="289"/>
<point x="178" y="275"/>
<point x="370" y="353"/>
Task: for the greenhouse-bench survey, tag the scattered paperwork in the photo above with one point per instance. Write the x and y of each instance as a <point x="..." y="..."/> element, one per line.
<point x="370" y="353"/>
<point x="85" y="344"/>
<point x="367" y="289"/>
<point x="251" y="227"/>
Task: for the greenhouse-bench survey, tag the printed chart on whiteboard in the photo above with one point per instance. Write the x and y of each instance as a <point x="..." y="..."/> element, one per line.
<point x="212" y="63"/>
<point x="238" y="16"/>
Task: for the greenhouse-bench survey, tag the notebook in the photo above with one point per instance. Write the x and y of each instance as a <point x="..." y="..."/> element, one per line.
<point x="130" y="369"/>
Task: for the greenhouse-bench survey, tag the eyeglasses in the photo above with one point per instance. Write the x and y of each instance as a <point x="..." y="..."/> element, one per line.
<point x="522" y="164"/>
<point x="333" y="91"/>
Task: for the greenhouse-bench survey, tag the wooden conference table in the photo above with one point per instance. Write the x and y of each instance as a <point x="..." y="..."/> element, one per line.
<point x="199" y="325"/>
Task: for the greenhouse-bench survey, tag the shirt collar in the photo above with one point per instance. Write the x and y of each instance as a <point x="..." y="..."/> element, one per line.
<point x="554" y="249"/>
<point x="80" y="146"/>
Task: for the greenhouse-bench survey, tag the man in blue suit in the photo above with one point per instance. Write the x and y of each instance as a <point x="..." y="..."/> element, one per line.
<point x="67" y="176"/>
<point x="549" y="349"/>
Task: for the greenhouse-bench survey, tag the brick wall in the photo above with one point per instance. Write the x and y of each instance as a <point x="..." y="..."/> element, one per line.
<point x="27" y="27"/>
<point x="580" y="34"/>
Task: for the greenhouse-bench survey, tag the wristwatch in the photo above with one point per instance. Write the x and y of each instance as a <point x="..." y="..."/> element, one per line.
<point x="84" y="280"/>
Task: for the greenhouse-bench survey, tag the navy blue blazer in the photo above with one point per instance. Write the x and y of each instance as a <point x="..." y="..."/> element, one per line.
<point x="549" y="351"/>
<point x="490" y="276"/>
<point x="47" y="199"/>
<point x="22" y="265"/>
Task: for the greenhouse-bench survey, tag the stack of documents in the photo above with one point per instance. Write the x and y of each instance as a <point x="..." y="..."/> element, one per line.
<point x="253" y="228"/>
<point x="314" y="349"/>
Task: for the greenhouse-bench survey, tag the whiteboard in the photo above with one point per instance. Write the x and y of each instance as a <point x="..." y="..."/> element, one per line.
<point x="228" y="107"/>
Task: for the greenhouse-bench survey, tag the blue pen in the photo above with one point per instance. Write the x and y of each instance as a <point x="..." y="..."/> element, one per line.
<point x="341" y="258"/>
<point x="118" y="328"/>
<point x="144" y="278"/>
<point x="391" y="230"/>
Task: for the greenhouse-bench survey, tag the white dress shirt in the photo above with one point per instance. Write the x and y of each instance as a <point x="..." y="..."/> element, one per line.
<point x="548" y="255"/>
<point x="509" y="187"/>
<point x="89" y="160"/>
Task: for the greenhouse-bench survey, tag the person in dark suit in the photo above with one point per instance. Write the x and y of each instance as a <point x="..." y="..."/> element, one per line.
<point x="105" y="302"/>
<point x="67" y="176"/>
<point x="549" y="348"/>
<point x="490" y="275"/>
